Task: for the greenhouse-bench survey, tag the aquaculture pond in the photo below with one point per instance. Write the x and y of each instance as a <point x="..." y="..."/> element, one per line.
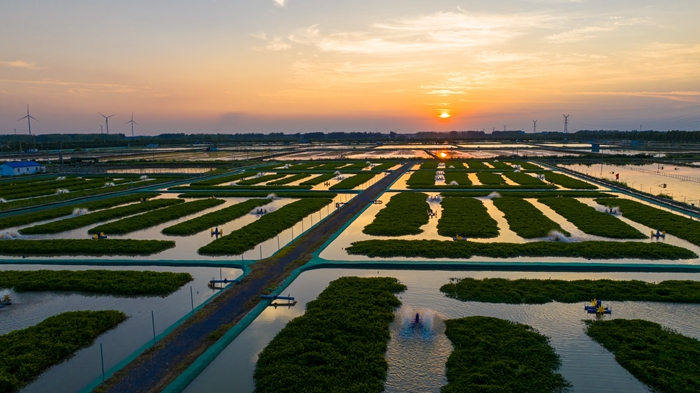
<point x="417" y="359"/>
<point x="30" y="308"/>
<point x="186" y="247"/>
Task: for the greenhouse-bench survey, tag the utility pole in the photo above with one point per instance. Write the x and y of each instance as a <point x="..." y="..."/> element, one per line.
<point x="566" y="124"/>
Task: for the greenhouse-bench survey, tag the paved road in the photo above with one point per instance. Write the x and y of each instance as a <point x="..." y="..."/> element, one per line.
<point x="156" y="368"/>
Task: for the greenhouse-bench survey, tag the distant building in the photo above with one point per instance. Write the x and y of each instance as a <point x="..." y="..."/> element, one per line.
<point x="16" y="168"/>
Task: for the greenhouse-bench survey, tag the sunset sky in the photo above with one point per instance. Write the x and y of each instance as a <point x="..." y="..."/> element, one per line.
<point x="311" y="65"/>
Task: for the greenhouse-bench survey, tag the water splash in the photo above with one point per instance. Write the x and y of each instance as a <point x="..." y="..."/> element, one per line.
<point x="144" y="177"/>
<point x="558" y="237"/>
<point x="7" y="235"/>
<point x="286" y="166"/>
<point x="3" y="200"/>
<point x="336" y="173"/>
<point x="61" y="178"/>
<point x="233" y="183"/>
<point x="272" y="197"/>
<point x="62" y="191"/>
<point x="615" y="210"/>
<point x="493" y="195"/>
<point x="426" y="327"/>
<point x="454" y="183"/>
<point x="79" y="212"/>
<point x="109" y="184"/>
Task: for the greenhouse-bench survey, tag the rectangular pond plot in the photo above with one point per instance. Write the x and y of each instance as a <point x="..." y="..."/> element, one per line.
<point x="417" y="361"/>
<point x="30" y="308"/>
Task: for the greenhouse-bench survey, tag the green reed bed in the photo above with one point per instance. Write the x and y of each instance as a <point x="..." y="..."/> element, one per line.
<point x="467" y="217"/>
<point x="432" y="249"/>
<point x="239" y="188"/>
<point x="338" y="345"/>
<point x="259" y="194"/>
<point x="99" y="216"/>
<point x="356" y="166"/>
<point x="223" y="179"/>
<point x="352" y="182"/>
<point x="665" y="360"/>
<point x="590" y="220"/>
<point x="156" y="217"/>
<point x="385" y="166"/>
<point x="290" y="179"/>
<point x="261" y="179"/>
<point x="83" y="247"/>
<point x="266" y="227"/>
<point x="421" y="179"/>
<point x="673" y="224"/>
<point x="318" y="180"/>
<point x="8" y="191"/>
<point x="455" y="164"/>
<point x="403" y="215"/>
<point x="536" y="194"/>
<point x="462" y="178"/>
<point x="110" y="282"/>
<point x="501" y="165"/>
<point x="210" y="220"/>
<point x="429" y="165"/>
<point x="525" y="219"/>
<point x="491" y="179"/>
<point x="568" y="181"/>
<point x="473" y="164"/>
<point x="26" y="353"/>
<point x="526" y="180"/>
<point x="528" y="166"/>
<point x="495" y="355"/>
<point x="50" y="214"/>
<point x="38" y="191"/>
<point x="534" y="291"/>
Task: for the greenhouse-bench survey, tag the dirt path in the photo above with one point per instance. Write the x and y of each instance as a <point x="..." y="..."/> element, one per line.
<point x="157" y="367"/>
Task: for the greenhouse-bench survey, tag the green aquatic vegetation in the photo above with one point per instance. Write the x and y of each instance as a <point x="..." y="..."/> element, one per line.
<point x="384" y="166"/>
<point x="222" y="179"/>
<point x="462" y="178"/>
<point x="156" y="217"/>
<point x="421" y="179"/>
<point x="260" y="194"/>
<point x="338" y="345"/>
<point x="213" y="219"/>
<point x="318" y="180"/>
<point x="665" y="360"/>
<point x="568" y="182"/>
<point x="525" y="194"/>
<point x="528" y="166"/>
<point x="26" y="353"/>
<point x="501" y="165"/>
<point x="495" y="355"/>
<point x="473" y="164"/>
<point x="261" y="179"/>
<point x="99" y="216"/>
<point x="534" y="291"/>
<point x="50" y="214"/>
<point x="491" y="179"/>
<point x="84" y="247"/>
<point x="467" y="217"/>
<point x="291" y="179"/>
<point x="266" y="227"/>
<point x="455" y="164"/>
<point x="526" y="180"/>
<point x="429" y="165"/>
<point x="590" y="220"/>
<point x="352" y="182"/>
<point x="403" y="215"/>
<point x="111" y="282"/>
<point x="432" y="249"/>
<point x="330" y="165"/>
<point x="525" y="219"/>
<point x="356" y="166"/>
<point x="673" y="224"/>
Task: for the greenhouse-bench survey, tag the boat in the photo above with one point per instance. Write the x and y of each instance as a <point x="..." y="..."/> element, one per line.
<point x="459" y="237"/>
<point x="416" y="323"/>
<point x="596" y="307"/>
<point x="6" y="301"/>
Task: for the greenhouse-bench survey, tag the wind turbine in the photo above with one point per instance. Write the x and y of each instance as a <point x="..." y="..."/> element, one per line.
<point x="101" y="129"/>
<point x="29" y="119"/>
<point x="106" y="121"/>
<point x="132" y="124"/>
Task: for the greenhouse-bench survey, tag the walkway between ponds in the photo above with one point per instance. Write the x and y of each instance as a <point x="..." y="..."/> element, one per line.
<point x="154" y="369"/>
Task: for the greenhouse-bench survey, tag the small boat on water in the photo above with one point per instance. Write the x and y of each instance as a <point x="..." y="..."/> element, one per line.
<point x="596" y="307"/>
<point x="6" y="301"/>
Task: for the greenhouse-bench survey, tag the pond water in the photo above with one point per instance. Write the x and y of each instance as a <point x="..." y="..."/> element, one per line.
<point x="680" y="182"/>
<point x="389" y="154"/>
<point x="417" y="362"/>
<point x="30" y="308"/>
<point x="187" y="246"/>
<point x="144" y="171"/>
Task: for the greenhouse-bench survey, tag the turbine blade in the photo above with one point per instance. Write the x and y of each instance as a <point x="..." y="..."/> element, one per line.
<point x="137" y="123"/>
<point x="23" y="118"/>
<point x="33" y="118"/>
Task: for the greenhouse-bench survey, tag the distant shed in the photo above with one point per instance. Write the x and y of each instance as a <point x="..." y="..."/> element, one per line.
<point x="16" y="168"/>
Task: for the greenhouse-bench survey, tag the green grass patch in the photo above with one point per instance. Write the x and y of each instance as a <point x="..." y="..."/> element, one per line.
<point x="568" y="181"/>
<point x="111" y="282"/>
<point x="260" y="194"/>
<point x="318" y="180"/>
<point x="291" y="179"/>
<point x="26" y="353"/>
<point x="209" y="220"/>
<point x="501" y="165"/>
<point x="421" y="179"/>
<point x="526" y="194"/>
<point x="673" y="224"/>
<point x="525" y="219"/>
<point x="491" y="179"/>
<point x="526" y="180"/>
<point x="495" y="355"/>
<point x="156" y="217"/>
<point x="661" y="358"/>
<point x="473" y="164"/>
<point x="528" y="166"/>
<point x="50" y="214"/>
<point x="384" y="166"/>
<point x="455" y="164"/>
<point x="462" y="178"/>
<point x="266" y="227"/>
<point x="223" y="179"/>
<point x="352" y="182"/>
<point x="261" y="179"/>
<point x="533" y="291"/>
<point x="429" y="165"/>
<point x="590" y="220"/>
<point x="84" y="247"/>
<point x="99" y="216"/>
<point x="338" y="345"/>
<point x="432" y="249"/>
<point x="403" y="215"/>
<point x="466" y="216"/>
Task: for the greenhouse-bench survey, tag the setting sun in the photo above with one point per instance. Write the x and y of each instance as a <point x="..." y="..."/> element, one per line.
<point x="443" y="155"/>
<point x="444" y="115"/>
